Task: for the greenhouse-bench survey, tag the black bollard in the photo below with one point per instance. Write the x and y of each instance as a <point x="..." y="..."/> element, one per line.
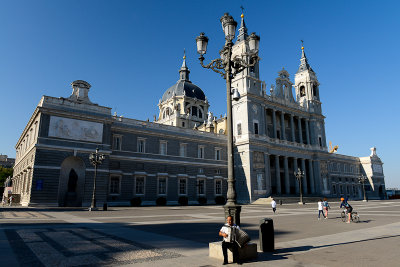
<point x="266" y="235"/>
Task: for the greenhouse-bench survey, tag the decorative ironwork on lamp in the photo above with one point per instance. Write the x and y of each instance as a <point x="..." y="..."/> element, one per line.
<point x="228" y="67"/>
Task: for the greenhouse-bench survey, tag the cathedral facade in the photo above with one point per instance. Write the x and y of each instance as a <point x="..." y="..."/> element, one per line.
<point x="182" y="153"/>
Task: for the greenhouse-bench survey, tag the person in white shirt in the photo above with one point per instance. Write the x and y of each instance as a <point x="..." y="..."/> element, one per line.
<point x="11" y="200"/>
<point x="229" y="240"/>
<point x="320" y="209"/>
<point x="273" y="205"/>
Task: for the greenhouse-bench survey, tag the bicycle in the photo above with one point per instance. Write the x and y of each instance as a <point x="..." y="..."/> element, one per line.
<point x="354" y="216"/>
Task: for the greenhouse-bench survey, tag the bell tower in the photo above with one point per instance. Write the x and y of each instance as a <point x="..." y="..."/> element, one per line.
<point x="307" y="86"/>
<point x="307" y="95"/>
<point x="247" y="81"/>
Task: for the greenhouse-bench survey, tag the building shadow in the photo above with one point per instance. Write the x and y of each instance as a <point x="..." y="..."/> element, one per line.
<point x="200" y="232"/>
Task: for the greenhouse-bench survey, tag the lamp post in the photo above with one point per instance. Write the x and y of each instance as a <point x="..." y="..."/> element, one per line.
<point x="299" y="176"/>
<point x="362" y="180"/>
<point x="96" y="159"/>
<point x="229" y="67"/>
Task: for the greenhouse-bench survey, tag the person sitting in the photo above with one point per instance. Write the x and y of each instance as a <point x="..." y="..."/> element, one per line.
<point x="228" y="233"/>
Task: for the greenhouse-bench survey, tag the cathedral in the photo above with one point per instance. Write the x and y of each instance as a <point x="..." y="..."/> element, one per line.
<point x="182" y="153"/>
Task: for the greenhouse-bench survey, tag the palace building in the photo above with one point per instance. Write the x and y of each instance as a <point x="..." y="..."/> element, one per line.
<point x="182" y="153"/>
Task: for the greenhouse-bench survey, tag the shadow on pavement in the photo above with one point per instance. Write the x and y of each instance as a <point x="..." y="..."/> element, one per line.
<point x="284" y="253"/>
<point x="366" y="221"/>
<point x="199" y="232"/>
<point x="79" y="244"/>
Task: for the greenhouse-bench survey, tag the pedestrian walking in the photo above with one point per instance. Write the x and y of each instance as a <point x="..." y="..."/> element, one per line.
<point x="320" y="209"/>
<point x="326" y="207"/>
<point x="11" y="199"/>
<point x="273" y="205"/>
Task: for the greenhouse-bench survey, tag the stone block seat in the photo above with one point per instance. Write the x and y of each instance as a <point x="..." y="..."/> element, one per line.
<point x="247" y="252"/>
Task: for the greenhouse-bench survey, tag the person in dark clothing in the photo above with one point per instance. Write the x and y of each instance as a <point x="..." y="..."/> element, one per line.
<point x="228" y="233"/>
<point x="348" y="207"/>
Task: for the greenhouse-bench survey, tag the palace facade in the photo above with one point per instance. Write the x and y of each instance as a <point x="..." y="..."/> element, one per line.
<point x="182" y="153"/>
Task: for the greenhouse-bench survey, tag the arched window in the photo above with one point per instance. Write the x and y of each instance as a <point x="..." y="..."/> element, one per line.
<point x="194" y="111"/>
<point x="302" y="91"/>
<point x="315" y="90"/>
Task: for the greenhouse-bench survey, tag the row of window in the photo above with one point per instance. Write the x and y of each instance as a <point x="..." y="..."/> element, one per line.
<point x="342" y="167"/>
<point x="28" y="140"/>
<point x="345" y="190"/>
<point x="163" y="148"/>
<point x="256" y="132"/>
<point x="162" y="186"/>
<point x="192" y="110"/>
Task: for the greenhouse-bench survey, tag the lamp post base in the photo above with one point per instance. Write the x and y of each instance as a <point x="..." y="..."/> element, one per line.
<point x="234" y="211"/>
<point x="92" y="209"/>
<point x="301" y="203"/>
<point x="364" y="200"/>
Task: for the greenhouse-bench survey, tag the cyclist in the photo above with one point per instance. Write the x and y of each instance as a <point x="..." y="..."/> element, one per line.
<point x="348" y="207"/>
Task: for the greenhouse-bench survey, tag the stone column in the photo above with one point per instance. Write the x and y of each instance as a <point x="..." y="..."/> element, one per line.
<point x="311" y="171"/>
<point x="20" y="183"/>
<point x="267" y="174"/>
<point x="274" y="123"/>
<point x="317" y="177"/>
<point x="300" y="131"/>
<point x="264" y="119"/>
<point x="27" y="180"/>
<point x="30" y="180"/>
<point x="17" y="183"/>
<point x="278" y="175"/>
<point x="283" y="135"/>
<point x="295" y="170"/>
<point x="23" y="179"/>
<point x="312" y="125"/>
<point x="292" y="127"/>
<point x="14" y="183"/>
<point x="307" y="132"/>
<point x="287" y="181"/>
<point x="304" y="182"/>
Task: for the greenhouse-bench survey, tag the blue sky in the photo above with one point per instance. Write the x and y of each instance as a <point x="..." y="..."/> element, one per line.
<point x="130" y="52"/>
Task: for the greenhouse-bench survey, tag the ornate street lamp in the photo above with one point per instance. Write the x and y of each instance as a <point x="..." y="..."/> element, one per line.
<point x="96" y="159"/>
<point x="362" y="180"/>
<point x="299" y="176"/>
<point x="228" y="67"/>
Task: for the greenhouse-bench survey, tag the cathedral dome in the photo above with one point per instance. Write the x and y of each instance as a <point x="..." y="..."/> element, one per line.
<point x="184" y="86"/>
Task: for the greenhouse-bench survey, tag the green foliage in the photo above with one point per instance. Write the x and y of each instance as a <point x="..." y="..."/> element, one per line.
<point x="4" y="173"/>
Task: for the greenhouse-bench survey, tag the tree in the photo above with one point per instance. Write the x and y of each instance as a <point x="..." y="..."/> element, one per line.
<point x="4" y="173"/>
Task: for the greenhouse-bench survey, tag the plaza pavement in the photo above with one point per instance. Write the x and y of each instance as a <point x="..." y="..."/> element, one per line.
<point x="179" y="236"/>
